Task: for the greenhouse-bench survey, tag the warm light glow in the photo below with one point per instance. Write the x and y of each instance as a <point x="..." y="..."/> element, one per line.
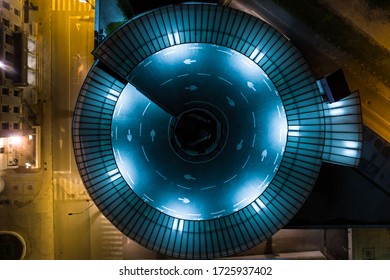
<point x="31" y="77"/>
<point x="86" y="1"/>
<point x="31" y="61"/>
<point x="30" y="137"/>
<point x="6" y="67"/>
<point x="16" y="140"/>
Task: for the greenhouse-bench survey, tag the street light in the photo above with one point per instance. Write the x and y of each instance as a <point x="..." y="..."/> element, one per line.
<point x="16" y="140"/>
<point x="6" y="67"/>
<point x="81" y="212"/>
<point x="87" y="1"/>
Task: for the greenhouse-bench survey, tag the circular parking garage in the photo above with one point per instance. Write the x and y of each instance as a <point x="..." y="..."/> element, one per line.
<point x="200" y="130"/>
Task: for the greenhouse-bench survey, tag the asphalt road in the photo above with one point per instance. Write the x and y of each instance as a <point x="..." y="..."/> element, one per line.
<point x="325" y="58"/>
<point x="72" y="25"/>
<point x="72" y="43"/>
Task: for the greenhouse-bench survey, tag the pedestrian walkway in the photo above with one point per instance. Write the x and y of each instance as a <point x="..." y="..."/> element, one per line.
<point x="69" y="189"/>
<point x="374" y="23"/>
<point x="106" y="241"/>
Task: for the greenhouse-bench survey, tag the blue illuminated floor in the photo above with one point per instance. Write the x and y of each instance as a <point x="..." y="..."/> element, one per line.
<point x="214" y="78"/>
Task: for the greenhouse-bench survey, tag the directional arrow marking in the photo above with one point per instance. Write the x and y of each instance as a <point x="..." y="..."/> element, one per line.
<point x="231" y="101"/>
<point x="153" y="135"/>
<point x="189" y="177"/>
<point x="251" y="85"/>
<point x="129" y="136"/>
<point x="264" y="155"/>
<point x="192" y="88"/>
<point x="240" y="145"/>
<point x="189" y="61"/>
<point x="184" y="200"/>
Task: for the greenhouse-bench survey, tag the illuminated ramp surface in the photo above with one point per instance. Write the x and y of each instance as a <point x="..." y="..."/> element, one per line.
<point x="200" y="130"/>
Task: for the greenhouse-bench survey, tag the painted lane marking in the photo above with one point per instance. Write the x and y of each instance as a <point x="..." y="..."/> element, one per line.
<point x="267" y="85"/>
<point x="246" y="100"/>
<point x="280" y="114"/>
<point x="162" y="176"/>
<point x="262" y="183"/>
<point x="119" y="155"/>
<point x="254" y="140"/>
<point x="229" y="53"/>
<point x="208" y="188"/>
<point x="128" y="175"/>
<point x="276" y="158"/>
<point x="246" y="162"/>
<point x="143" y="149"/>
<point x="219" y="212"/>
<point x="230" y="179"/>
<point x="230" y="83"/>
<point x="235" y="205"/>
<point x="186" y="188"/>
<point x="166" y="82"/>
<point x="169" y="209"/>
<point x="146" y="108"/>
<point x="119" y="110"/>
<point x="147" y="197"/>
<point x="147" y="64"/>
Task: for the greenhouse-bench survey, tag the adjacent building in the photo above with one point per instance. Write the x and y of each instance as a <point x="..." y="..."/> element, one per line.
<point x="19" y="127"/>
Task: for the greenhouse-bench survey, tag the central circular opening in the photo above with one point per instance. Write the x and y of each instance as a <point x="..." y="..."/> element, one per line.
<point x="197" y="132"/>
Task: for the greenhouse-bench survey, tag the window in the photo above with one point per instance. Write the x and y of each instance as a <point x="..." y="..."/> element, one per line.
<point x="9" y="57"/>
<point x="5" y="126"/>
<point x="16" y="109"/>
<point x="6" y="5"/>
<point x="16" y="27"/>
<point x="17" y="12"/>
<point x="16" y="125"/>
<point x="16" y="93"/>
<point x="5" y="108"/>
<point x="6" y="22"/>
<point x="5" y="91"/>
<point x="9" y="39"/>
<point x="9" y="75"/>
